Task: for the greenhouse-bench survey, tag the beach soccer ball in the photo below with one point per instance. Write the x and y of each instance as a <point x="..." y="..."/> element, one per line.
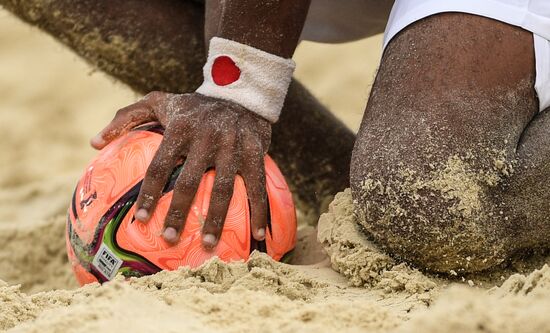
<point x="103" y="238"/>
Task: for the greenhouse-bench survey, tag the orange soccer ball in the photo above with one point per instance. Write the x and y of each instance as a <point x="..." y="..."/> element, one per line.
<point x="103" y="238"/>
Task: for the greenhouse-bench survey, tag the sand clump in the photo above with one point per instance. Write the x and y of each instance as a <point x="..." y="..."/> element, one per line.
<point x="357" y="258"/>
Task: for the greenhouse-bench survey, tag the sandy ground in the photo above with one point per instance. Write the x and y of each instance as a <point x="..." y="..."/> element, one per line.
<point x="50" y="106"/>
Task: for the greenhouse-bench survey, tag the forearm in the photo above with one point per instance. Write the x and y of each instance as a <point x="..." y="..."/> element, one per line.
<point x="273" y="26"/>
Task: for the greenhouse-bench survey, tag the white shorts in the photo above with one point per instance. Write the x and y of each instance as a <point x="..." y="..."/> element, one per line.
<point x="532" y="15"/>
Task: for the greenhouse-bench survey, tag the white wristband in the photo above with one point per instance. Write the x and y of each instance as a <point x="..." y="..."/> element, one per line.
<point x="247" y="76"/>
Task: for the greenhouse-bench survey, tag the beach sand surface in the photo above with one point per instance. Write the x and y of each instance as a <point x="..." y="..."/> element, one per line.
<point x="51" y="103"/>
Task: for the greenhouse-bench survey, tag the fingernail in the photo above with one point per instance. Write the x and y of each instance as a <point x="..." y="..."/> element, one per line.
<point x="260" y="233"/>
<point x="98" y="140"/>
<point x="209" y="240"/>
<point x="142" y="215"/>
<point x="170" y="234"/>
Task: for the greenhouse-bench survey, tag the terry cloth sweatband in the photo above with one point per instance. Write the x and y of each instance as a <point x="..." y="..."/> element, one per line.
<point x="247" y="76"/>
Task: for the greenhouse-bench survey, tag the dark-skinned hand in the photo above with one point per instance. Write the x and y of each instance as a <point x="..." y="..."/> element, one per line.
<point x="206" y="132"/>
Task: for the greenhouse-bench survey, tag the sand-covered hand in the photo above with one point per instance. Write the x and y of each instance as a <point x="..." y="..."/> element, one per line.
<point x="206" y="133"/>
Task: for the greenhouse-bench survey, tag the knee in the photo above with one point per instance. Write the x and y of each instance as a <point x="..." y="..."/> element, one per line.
<point x="439" y="215"/>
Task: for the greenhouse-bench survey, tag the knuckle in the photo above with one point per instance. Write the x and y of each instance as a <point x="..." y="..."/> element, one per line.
<point x="261" y="195"/>
<point x="224" y="185"/>
<point x="260" y="222"/>
<point x="121" y="112"/>
<point x="258" y="203"/>
<point x="214" y="225"/>
<point x="153" y="95"/>
<point x="249" y="145"/>
<point x="188" y="182"/>
<point x="174" y="219"/>
<point x="151" y="188"/>
<point x="224" y="196"/>
<point x="147" y="200"/>
<point x="260" y="174"/>
<point x="154" y="175"/>
<point x="228" y="140"/>
<point x="258" y="190"/>
<point x="156" y="170"/>
<point x="259" y="215"/>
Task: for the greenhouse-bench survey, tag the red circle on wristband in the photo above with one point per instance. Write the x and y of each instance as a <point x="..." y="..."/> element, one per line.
<point x="225" y="71"/>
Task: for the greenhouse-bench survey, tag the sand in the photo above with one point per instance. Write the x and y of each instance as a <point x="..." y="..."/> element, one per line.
<point x="50" y="107"/>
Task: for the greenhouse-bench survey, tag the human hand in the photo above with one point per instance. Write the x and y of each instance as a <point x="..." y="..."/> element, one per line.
<point x="206" y="132"/>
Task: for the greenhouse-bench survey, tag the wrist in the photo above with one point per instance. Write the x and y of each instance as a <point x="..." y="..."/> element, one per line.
<point x="253" y="78"/>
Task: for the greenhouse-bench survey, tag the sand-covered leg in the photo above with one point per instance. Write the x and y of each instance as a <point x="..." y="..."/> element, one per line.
<point x="150" y="45"/>
<point x="436" y="148"/>
<point x="528" y="192"/>
<point x="313" y="149"/>
<point x="159" y="45"/>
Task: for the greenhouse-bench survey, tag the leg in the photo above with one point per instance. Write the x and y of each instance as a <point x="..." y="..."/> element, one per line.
<point x="528" y="192"/>
<point x="150" y="45"/>
<point x="158" y="45"/>
<point x="313" y="150"/>
<point x="436" y="148"/>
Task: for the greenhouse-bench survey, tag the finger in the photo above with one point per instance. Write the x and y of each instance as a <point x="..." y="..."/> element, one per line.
<point x="257" y="195"/>
<point x="219" y="201"/>
<point x="125" y="119"/>
<point x="185" y="189"/>
<point x="253" y="174"/>
<point x="157" y="175"/>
